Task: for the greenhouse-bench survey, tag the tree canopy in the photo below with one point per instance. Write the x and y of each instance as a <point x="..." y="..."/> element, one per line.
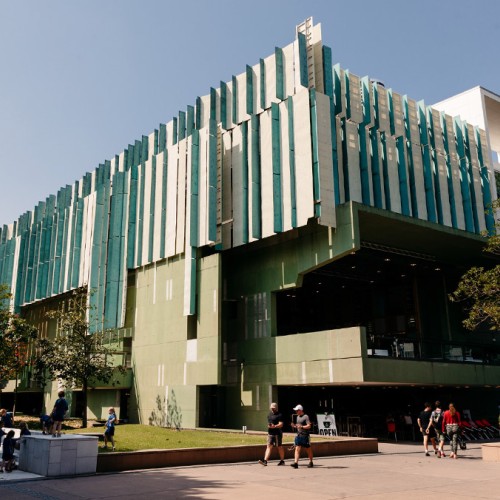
<point x="479" y="289"/>
<point x="76" y="355"/>
<point x="15" y="336"/>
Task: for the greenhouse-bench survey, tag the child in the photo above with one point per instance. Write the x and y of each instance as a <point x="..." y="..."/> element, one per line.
<point x="45" y="423"/>
<point x="60" y="409"/>
<point x="110" y="429"/>
<point x="6" y="417"/>
<point x="23" y="426"/>
<point x="8" y="460"/>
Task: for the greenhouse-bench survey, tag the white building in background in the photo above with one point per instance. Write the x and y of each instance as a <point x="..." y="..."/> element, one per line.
<point x="480" y="107"/>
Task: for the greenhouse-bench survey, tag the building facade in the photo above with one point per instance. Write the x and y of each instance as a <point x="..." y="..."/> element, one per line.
<point x="481" y="108"/>
<point x="292" y="236"/>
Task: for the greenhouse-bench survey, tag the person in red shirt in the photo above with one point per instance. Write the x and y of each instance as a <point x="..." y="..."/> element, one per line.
<point x="451" y="425"/>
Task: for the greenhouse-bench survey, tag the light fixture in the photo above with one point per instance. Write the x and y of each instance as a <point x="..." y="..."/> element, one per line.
<point x="387" y="259"/>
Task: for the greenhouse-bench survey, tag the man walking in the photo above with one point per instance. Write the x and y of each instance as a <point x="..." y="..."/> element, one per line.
<point x="425" y="426"/>
<point x="303" y="427"/>
<point x="274" y="434"/>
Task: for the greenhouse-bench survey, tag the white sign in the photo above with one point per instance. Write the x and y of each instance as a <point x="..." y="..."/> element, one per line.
<point x="326" y="424"/>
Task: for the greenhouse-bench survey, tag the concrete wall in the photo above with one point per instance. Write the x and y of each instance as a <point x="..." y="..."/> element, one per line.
<point x="173" y="354"/>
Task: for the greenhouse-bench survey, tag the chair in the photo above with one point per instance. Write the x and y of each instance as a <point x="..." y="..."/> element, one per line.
<point x="455" y="353"/>
<point x="408" y="350"/>
<point x="391" y="429"/>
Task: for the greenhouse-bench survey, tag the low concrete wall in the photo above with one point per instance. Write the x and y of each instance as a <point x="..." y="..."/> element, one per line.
<point x="491" y="452"/>
<point x="150" y="459"/>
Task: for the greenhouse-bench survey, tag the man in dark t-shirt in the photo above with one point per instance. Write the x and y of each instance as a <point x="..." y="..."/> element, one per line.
<point x="274" y="435"/>
<point x="425" y="425"/>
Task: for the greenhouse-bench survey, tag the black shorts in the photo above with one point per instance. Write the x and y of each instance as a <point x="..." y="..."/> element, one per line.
<point x="110" y="431"/>
<point x="274" y="439"/>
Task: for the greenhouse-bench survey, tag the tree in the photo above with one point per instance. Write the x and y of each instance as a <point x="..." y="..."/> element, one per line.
<point x="479" y="289"/>
<point x="78" y="356"/>
<point x="15" y="336"/>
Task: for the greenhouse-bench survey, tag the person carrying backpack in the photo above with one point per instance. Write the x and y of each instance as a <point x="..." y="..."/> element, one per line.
<point x="437" y="423"/>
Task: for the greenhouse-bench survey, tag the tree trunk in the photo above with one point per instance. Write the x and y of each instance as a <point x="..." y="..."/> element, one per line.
<point x="84" y="400"/>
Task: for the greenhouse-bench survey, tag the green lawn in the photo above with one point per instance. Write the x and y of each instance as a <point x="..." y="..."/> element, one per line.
<point x="133" y="437"/>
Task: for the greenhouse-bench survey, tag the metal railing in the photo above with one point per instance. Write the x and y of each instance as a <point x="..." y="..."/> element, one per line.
<point x="463" y="352"/>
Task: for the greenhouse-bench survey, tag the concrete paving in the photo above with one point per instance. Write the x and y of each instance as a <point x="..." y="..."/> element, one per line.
<point x="398" y="471"/>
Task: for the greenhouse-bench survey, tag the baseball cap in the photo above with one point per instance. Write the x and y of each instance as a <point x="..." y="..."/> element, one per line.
<point x="299" y="407"/>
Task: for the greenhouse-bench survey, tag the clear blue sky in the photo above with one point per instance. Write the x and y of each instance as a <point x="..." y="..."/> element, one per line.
<point x="79" y="81"/>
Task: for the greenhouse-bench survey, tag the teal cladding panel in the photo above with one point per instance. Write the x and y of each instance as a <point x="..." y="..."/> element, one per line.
<point x="464" y="176"/>
<point x="190" y="120"/>
<point x="291" y="155"/>
<point x="164" y="167"/>
<point x="364" y="165"/>
<point x="195" y="167"/>
<point x="77" y="243"/>
<point x="276" y="144"/>
<point x="428" y="184"/>
<point x="280" y="75"/>
<point x="132" y="217"/>
<point x="140" y="214"/>
<point x="262" y="84"/>
<point x="403" y="178"/>
<point x="470" y="177"/>
<point x="162" y="140"/>
<point x="244" y="183"/>
<point x="250" y="85"/>
<point x="485" y="184"/>
<point x="234" y="106"/>
<point x="174" y="131"/>
<point x="212" y="181"/>
<point x="256" y="177"/>
<point x="198" y="114"/>
<point x="223" y="105"/>
<point x="330" y="92"/>
<point x="137" y="152"/>
<point x="449" y="175"/>
<point x="385" y="172"/>
<point x="213" y="104"/>
<point x="315" y="154"/>
<point x="182" y="125"/>
<point x="152" y="201"/>
<point x="304" y="76"/>
<point x="115" y="270"/>
<point x="155" y="142"/>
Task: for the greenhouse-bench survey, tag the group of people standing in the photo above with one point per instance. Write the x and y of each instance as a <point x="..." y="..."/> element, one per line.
<point x="435" y="424"/>
<point x="302" y="425"/>
<point x="10" y="443"/>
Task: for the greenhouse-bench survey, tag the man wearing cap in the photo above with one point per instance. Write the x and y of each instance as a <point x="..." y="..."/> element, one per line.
<point x="274" y="434"/>
<point x="303" y="426"/>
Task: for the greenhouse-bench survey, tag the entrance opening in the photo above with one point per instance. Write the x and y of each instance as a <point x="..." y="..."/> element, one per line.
<point x="211" y="406"/>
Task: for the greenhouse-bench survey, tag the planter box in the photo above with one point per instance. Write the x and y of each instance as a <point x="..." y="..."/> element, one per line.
<point x="149" y="459"/>
<point x="68" y="455"/>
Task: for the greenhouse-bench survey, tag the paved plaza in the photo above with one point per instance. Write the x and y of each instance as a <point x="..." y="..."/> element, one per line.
<point x="398" y="471"/>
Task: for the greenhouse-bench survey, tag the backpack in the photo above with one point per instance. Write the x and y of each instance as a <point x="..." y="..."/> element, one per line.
<point x="437" y="418"/>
